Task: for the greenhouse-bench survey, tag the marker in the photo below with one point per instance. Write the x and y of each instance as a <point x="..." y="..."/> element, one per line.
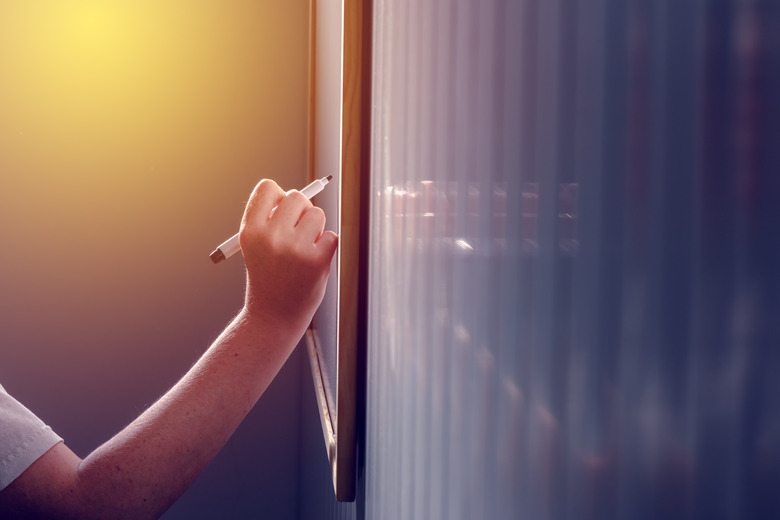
<point x="231" y="246"/>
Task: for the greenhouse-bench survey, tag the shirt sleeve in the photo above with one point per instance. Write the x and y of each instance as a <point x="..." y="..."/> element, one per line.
<point x="23" y="438"/>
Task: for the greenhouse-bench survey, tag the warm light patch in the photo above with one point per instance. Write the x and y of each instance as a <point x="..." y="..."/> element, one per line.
<point x="90" y="56"/>
<point x="113" y="111"/>
<point x="109" y="86"/>
<point x="93" y="45"/>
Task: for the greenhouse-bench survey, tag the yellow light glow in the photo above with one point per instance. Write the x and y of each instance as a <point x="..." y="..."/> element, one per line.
<point x="86" y="52"/>
<point x="113" y="107"/>
<point x="92" y="80"/>
<point x="96" y="46"/>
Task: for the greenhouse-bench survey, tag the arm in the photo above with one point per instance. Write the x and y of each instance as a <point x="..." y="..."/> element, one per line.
<point x="141" y="471"/>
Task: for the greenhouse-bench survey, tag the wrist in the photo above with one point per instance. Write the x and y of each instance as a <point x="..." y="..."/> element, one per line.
<point x="274" y="327"/>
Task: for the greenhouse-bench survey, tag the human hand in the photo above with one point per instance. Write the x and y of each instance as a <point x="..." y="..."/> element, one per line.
<point x="287" y="256"/>
<point x="145" y="467"/>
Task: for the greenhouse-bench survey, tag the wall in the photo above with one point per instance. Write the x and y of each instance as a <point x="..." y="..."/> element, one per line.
<point x="131" y="133"/>
<point x="573" y="272"/>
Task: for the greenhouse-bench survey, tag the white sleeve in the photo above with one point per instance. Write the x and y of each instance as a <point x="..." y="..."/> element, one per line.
<point x="23" y="438"/>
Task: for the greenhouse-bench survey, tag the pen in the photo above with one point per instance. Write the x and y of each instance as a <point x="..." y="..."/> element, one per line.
<point x="231" y="246"/>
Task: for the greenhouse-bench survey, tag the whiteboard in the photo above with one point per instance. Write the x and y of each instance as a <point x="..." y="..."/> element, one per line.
<point x="338" y="122"/>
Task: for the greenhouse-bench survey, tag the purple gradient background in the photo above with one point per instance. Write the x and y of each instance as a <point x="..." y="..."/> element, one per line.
<point x="124" y="161"/>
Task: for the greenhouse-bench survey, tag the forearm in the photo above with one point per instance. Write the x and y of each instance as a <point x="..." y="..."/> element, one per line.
<point x="152" y="461"/>
<point x="142" y="470"/>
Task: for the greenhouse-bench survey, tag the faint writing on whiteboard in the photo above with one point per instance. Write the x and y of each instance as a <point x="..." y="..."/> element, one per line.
<point x="479" y="218"/>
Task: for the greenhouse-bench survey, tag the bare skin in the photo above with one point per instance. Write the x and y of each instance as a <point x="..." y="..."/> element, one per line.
<point x="143" y="469"/>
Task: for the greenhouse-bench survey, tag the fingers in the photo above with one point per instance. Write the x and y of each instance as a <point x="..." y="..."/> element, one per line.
<point x="327" y="244"/>
<point x="311" y="222"/>
<point x="266" y="196"/>
<point x="311" y="225"/>
<point x="275" y="217"/>
<point x="291" y="209"/>
<point x="269" y="205"/>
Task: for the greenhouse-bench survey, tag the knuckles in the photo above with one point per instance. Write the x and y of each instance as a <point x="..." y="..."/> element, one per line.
<point x="294" y="199"/>
<point x="266" y="186"/>
<point x="265" y="243"/>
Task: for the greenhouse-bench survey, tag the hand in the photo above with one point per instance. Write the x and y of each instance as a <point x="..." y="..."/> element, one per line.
<point x="145" y="467"/>
<point x="287" y="256"/>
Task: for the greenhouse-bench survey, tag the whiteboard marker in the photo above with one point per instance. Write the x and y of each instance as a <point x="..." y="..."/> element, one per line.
<point x="231" y="246"/>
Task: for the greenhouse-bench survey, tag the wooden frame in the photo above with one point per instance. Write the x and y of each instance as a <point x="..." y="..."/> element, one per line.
<point x="339" y="413"/>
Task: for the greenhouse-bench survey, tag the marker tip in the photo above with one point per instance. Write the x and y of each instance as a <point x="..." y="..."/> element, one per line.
<point x="217" y="256"/>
